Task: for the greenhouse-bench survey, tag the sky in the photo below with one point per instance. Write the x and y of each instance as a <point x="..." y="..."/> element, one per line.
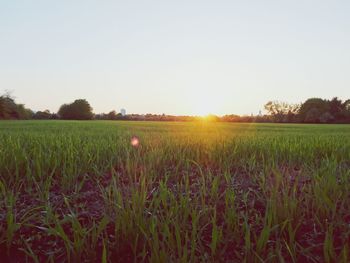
<point x="174" y="57"/>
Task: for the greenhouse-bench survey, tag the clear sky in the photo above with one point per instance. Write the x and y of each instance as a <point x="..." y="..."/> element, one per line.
<point x="174" y="57"/>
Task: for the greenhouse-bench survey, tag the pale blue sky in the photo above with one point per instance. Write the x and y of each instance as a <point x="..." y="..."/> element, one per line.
<point x="174" y="57"/>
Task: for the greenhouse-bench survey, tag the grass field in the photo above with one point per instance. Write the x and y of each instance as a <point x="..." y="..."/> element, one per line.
<point x="191" y="192"/>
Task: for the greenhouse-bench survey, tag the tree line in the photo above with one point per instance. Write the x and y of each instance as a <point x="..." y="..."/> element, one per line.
<point x="313" y="110"/>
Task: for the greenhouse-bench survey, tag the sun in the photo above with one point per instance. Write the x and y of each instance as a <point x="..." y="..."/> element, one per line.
<point x="202" y="113"/>
<point x="205" y="104"/>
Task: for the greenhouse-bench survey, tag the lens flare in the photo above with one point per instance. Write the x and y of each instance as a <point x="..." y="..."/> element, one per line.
<point x="135" y="142"/>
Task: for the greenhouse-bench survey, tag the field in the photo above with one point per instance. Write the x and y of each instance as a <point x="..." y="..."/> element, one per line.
<point x="190" y="192"/>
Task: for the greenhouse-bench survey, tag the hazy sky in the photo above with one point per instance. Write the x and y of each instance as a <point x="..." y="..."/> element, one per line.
<point x="174" y="57"/>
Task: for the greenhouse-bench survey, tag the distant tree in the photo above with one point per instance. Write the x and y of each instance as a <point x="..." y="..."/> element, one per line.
<point x="313" y="116"/>
<point x="99" y="116"/>
<point x="42" y="115"/>
<point x="64" y="111"/>
<point x="212" y="118"/>
<point x="290" y="117"/>
<point x="54" y="116"/>
<point x="10" y="110"/>
<point x="335" y="106"/>
<point x="346" y="110"/>
<point x="230" y="118"/>
<point x="121" y="117"/>
<point x="78" y="110"/>
<point x="326" y="118"/>
<point x="311" y="107"/>
<point x="112" y="115"/>
<point x="346" y="105"/>
<point x="281" y="111"/>
<point x="328" y="111"/>
<point x="24" y="113"/>
<point x="336" y="109"/>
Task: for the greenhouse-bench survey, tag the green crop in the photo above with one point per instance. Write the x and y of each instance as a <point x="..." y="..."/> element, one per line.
<point x="190" y="192"/>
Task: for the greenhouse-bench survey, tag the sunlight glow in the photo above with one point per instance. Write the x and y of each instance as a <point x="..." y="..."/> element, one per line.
<point x="206" y="104"/>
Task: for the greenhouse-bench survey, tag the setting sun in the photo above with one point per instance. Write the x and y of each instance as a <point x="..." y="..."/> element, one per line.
<point x="205" y="104"/>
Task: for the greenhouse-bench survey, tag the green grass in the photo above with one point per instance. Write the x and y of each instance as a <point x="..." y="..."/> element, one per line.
<point x="192" y="192"/>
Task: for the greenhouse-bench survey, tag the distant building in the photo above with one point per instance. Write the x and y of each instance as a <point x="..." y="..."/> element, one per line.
<point x="123" y="112"/>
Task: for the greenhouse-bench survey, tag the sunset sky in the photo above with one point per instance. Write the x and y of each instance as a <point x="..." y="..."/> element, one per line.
<point x="174" y="57"/>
